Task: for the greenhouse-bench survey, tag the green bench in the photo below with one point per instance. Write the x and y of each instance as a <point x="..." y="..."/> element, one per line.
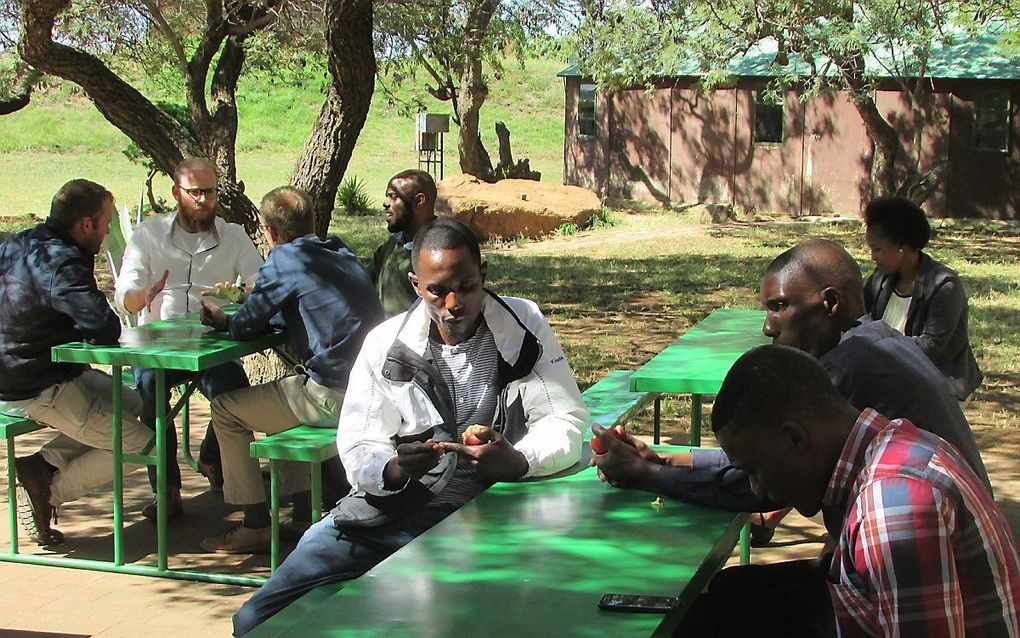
<point x="11" y="427"/>
<point x="610" y="400"/>
<point x="305" y="444"/>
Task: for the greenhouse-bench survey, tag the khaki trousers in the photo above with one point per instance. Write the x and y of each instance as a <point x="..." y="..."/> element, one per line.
<point x="271" y="407"/>
<point x="82" y="411"/>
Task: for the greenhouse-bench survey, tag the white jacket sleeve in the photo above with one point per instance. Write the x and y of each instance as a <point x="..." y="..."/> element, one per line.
<point x="555" y="412"/>
<point x="369" y="419"/>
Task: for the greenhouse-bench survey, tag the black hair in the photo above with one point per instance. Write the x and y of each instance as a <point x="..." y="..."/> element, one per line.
<point x="769" y="384"/>
<point x="445" y="233"/>
<point x="899" y="220"/>
<point x="77" y="199"/>
<point x="423" y="183"/>
<point x="825" y="262"/>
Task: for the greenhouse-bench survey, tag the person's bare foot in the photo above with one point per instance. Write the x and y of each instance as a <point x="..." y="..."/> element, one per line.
<point x="34" y="510"/>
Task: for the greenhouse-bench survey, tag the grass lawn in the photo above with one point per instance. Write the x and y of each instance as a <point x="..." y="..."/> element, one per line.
<point x="61" y="135"/>
<point x="617" y="296"/>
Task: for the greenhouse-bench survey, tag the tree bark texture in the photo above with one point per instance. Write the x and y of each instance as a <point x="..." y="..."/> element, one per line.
<point x="473" y="91"/>
<point x="327" y="152"/>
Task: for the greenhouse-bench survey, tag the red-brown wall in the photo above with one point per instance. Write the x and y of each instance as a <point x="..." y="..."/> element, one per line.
<point x="677" y="145"/>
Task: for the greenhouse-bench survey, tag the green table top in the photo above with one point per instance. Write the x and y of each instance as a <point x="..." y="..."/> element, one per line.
<point x="698" y="361"/>
<point x="180" y="343"/>
<point x="528" y="559"/>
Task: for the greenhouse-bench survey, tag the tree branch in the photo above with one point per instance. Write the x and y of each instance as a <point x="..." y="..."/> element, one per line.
<point x="155" y="132"/>
<point x="22" y="95"/>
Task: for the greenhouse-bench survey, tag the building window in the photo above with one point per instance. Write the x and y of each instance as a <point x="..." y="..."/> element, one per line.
<point x="586" y="111"/>
<point x="768" y="118"/>
<point x="991" y="121"/>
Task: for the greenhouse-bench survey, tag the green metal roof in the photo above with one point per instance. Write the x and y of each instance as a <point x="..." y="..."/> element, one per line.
<point x="972" y="56"/>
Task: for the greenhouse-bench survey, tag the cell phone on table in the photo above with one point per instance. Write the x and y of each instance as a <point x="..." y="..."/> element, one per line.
<point x="639" y="603"/>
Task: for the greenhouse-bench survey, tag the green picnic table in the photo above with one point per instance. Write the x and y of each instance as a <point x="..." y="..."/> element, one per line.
<point x="180" y="343"/>
<point x="528" y="559"/>
<point x="698" y="361"/>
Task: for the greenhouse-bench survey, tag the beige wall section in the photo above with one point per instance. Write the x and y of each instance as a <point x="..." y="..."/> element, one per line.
<point x="639" y="145"/>
<point x="702" y="145"/>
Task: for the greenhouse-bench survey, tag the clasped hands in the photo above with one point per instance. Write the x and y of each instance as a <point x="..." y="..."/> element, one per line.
<point x="495" y="459"/>
<point x="625" y="461"/>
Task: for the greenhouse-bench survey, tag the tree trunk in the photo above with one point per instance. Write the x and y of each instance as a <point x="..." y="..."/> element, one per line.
<point x="506" y="155"/>
<point x="884" y="141"/>
<point x="22" y="94"/>
<point x="473" y="91"/>
<point x="154" y="131"/>
<point x="326" y="153"/>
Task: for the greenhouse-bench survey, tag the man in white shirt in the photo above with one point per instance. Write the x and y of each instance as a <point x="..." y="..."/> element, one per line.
<point x="167" y="264"/>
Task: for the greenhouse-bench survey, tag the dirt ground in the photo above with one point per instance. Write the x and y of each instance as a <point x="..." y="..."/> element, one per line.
<point x="53" y="602"/>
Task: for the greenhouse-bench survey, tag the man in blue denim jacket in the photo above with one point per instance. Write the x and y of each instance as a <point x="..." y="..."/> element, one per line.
<point x="317" y="290"/>
<point x="49" y="297"/>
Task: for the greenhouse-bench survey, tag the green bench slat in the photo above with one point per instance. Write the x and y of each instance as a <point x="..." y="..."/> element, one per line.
<point x="15" y="426"/>
<point x="302" y="443"/>
<point x="610" y="401"/>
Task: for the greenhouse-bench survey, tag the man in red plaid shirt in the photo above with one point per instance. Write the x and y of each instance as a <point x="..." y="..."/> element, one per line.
<point x="922" y="550"/>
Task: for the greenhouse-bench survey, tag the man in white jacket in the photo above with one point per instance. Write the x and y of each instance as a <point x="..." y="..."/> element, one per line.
<point x="168" y="263"/>
<point x="459" y="356"/>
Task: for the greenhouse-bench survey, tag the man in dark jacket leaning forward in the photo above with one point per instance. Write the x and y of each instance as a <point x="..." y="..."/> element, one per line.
<point x="49" y="296"/>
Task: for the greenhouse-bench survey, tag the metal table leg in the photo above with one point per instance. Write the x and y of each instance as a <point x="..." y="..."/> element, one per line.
<point x="695" y="420"/>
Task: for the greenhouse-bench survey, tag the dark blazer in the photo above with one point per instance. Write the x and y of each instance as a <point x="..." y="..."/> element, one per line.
<point x="936" y="320"/>
<point x="48" y="296"/>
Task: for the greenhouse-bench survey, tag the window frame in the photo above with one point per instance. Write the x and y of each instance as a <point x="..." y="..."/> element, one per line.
<point x="583" y="103"/>
<point x="758" y="102"/>
<point x="1006" y="123"/>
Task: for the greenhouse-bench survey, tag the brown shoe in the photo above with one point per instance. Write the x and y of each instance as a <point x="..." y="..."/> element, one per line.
<point x="240" y="540"/>
<point x="34" y="509"/>
<point x="173" y="497"/>
<point x="213" y="472"/>
<point x="293" y="530"/>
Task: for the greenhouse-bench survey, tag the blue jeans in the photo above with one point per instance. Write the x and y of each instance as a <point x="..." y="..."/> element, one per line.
<point x="328" y="554"/>
<point x="212" y="382"/>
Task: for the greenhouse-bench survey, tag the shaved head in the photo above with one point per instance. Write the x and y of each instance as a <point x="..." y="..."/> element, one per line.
<point x="820" y="263"/>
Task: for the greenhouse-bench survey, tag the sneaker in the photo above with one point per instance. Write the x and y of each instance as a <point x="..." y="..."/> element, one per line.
<point x="33" y="506"/>
<point x="176" y="506"/>
<point x="240" y="540"/>
<point x="213" y="472"/>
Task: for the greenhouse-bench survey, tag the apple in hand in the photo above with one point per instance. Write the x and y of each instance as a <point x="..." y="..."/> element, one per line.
<point x="598" y="447"/>
<point x="476" y="434"/>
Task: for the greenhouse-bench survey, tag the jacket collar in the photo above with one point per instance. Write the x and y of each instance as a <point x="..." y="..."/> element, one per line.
<point x="518" y="347"/>
<point x="65" y="237"/>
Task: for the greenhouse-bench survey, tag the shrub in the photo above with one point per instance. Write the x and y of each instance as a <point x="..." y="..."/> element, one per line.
<point x="352" y="196"/>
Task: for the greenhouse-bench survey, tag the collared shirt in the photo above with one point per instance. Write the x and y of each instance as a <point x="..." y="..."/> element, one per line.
<point x="225" y="253"/>
<point x="922" y="550"/>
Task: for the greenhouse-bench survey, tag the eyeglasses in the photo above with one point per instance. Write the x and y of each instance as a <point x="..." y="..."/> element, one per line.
<point x="196" y="192"/>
